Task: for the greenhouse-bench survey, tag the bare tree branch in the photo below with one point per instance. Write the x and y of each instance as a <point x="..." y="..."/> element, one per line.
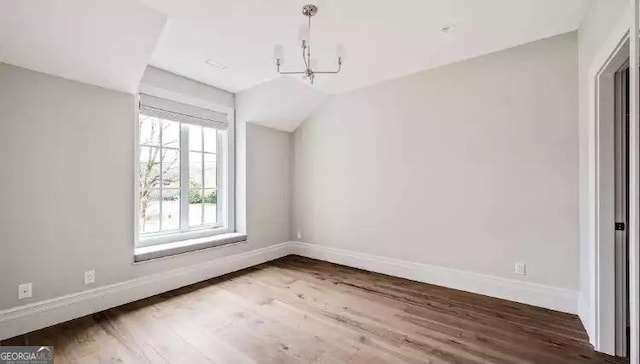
<point x="154" y="171"/>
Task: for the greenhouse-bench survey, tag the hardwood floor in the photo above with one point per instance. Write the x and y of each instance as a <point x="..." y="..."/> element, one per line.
<point x="299" y="310"/>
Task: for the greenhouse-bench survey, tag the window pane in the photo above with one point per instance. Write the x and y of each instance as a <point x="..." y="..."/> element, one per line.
<point x="195" y="207"/>
<point x="210" y="171"/>
<point x="149" y="211"/>
<point x="149" y="168"/>
<point x="170" y="134"/>
<point x="195" y="170"/>
<point x="170" y="209"/>
<point x="210" y="200"/>
<point x="209" y="140"/>
<point x="195" y="137"/>
<point x="149" y="130"/>
<point x="163" y="179"/>
<point x="171" y="168"/>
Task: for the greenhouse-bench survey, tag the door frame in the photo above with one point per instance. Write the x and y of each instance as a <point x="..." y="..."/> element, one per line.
<point x="600" y="311"/>
<point x="605" y="258"/>
<point x="634" y="185"/>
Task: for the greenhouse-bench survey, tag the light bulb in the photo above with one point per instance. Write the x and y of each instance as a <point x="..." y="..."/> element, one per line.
<point x="303" y="33"/>
<point x="340" y="50"/>
<point x="278" y="52"/>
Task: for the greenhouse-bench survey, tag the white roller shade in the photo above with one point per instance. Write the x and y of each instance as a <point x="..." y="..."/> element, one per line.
<point x="176" y="111"/>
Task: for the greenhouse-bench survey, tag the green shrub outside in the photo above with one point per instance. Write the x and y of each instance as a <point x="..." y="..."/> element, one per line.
<point x="196" y="197"/>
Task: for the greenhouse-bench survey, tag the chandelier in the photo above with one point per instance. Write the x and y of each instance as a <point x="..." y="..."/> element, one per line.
<point x="308" y="11"/>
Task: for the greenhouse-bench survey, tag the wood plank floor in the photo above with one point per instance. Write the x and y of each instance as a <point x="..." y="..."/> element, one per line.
<point x="298" y="310"/>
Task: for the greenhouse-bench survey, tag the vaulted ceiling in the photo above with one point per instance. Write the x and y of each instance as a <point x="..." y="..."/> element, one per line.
<point x="104" y="43"/>
<point x="282" y="103"/>
<point x="109" y="42"/>
<point x="382" y="39"/>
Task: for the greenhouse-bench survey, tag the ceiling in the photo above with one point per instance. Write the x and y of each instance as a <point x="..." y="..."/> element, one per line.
<point x="282" y="103"/>
<point x="382" y="39"/>
<point x="110" y="42"/>
<point x="104" y="43"/>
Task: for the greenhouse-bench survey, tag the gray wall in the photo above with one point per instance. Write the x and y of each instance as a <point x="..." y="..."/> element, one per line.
<point x="471" y="166"/>
<point x="268" y="182"/>
<point x="67" y="188"/>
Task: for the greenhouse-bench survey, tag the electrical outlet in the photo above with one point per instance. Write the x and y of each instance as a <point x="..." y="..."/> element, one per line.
<point x="520" y="268"/>
<point x="25" y="290"/>
<point x="89" y="276"/>
<point x="299" y="235"/>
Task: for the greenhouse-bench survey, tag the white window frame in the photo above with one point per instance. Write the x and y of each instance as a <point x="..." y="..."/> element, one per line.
<point x="225" y="183"/>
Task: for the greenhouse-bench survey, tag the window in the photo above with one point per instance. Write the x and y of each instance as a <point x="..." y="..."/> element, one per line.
<point x="182" y="155"/>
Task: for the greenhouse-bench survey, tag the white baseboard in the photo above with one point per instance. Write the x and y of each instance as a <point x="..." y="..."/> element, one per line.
<point x="34" y="316"/>
<point x="559" y="299"/>
<point x="584" y="312"/>
<point x="22" y="319"/>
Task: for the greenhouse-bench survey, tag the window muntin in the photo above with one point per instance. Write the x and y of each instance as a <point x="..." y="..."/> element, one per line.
<point x="180" y="168"/>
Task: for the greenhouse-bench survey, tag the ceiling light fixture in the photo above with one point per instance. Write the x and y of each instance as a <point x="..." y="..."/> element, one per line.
<point x="215" y="64"/>
<point x="447" y="28"/>
<point x="308" y="11"/>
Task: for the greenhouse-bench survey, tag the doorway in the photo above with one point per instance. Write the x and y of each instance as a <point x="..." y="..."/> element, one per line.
<point x="621" y="155"/>
<point x="610" y="284"/>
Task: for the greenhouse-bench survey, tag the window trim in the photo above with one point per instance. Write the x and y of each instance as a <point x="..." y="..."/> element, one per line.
<point x="226" y="183"/>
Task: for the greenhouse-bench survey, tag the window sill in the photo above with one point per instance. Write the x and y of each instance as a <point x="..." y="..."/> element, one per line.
<point x="185" y="246"/>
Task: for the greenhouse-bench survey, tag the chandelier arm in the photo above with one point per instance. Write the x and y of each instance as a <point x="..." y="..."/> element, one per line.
<point x="336" y="71"/>
<point x="287" y="72"/>
<point x="292" y="73"/>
